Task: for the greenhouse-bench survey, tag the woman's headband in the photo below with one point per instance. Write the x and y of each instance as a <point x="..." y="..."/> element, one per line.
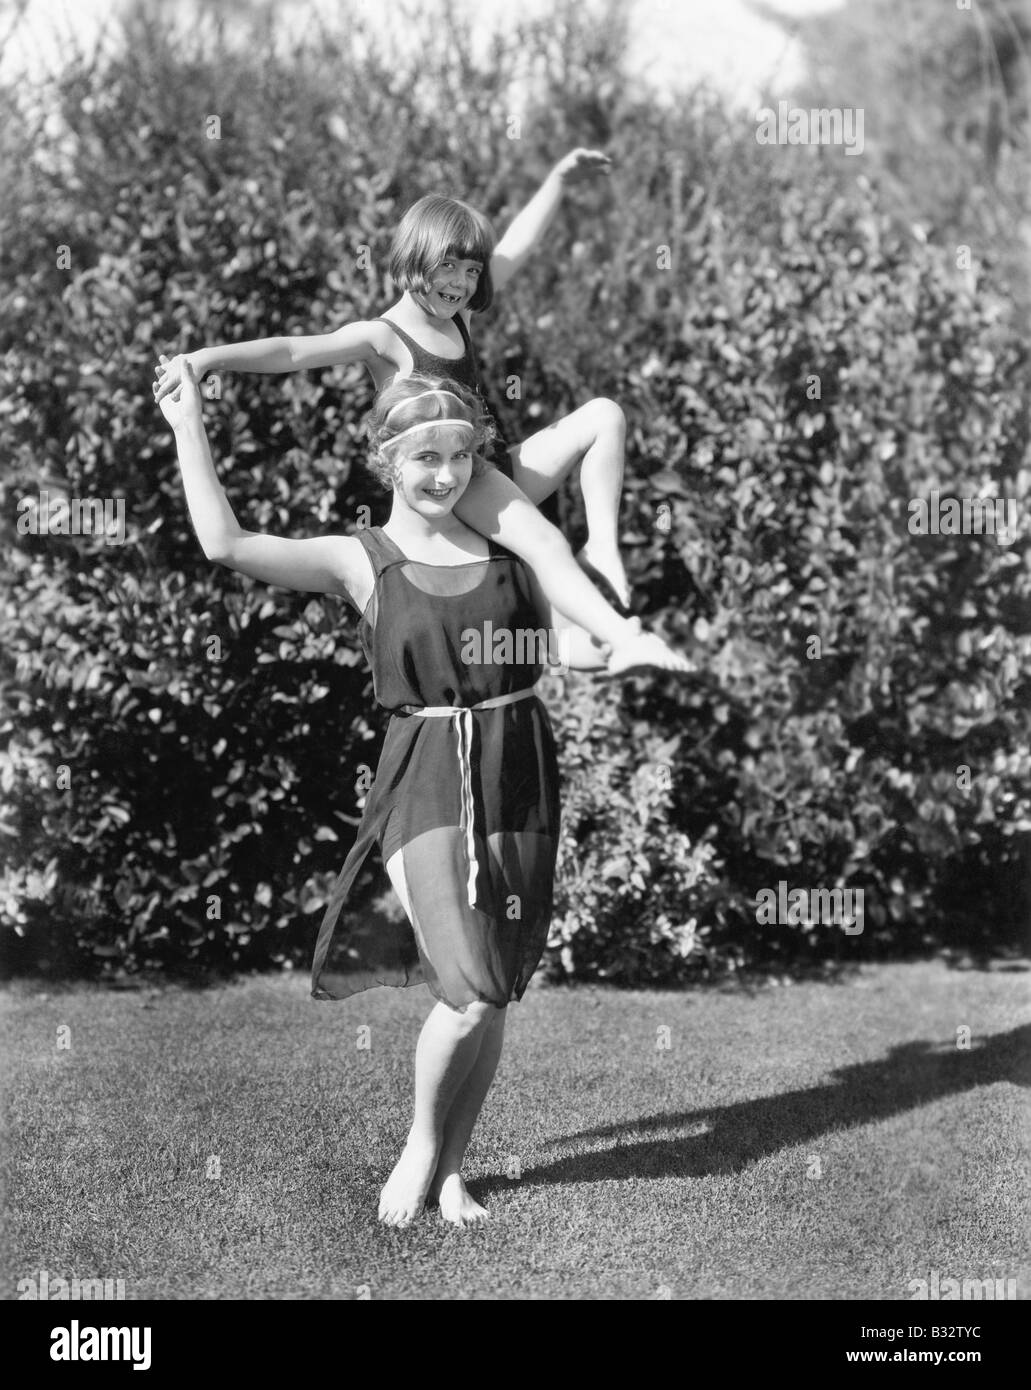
<point x="426" y="424"/>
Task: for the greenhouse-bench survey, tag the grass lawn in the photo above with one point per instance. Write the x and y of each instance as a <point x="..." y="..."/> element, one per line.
<point x="818" y="1140"/>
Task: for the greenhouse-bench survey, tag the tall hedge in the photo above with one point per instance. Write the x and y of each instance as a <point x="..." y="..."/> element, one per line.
<point x="184" y="751"/>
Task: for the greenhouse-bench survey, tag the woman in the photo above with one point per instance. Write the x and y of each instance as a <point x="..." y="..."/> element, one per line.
<point x="464" y="806"/>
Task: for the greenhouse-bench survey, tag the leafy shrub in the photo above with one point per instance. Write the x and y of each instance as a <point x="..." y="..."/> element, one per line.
<point x="796" y="367"/>
<point x="633" y="896"/>
<point x="864" y="717"/>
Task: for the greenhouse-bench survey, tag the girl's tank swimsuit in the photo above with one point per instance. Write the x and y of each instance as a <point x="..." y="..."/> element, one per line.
<point x="466" y="787"/>
<point x="463" y="369"/>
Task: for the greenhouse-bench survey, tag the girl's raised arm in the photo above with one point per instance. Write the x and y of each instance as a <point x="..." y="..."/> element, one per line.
<point x="323" y="565"/>
<point x="355" y="342"/>
<point x="528" y="226"/>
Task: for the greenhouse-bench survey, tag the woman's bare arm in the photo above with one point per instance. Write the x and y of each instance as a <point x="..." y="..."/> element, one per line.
<point x="323" y="564"/>
<point x="493" y="505"/>
<point x="568" y="645"/>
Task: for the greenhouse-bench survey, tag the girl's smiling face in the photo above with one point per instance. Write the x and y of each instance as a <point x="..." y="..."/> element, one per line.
<point x="432" y="468"/>
<point x="452" y="284"/>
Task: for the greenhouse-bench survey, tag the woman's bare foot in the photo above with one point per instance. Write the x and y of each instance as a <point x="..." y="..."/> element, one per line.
<point x="404" y="1192"/>
<point x="600" y="563"/>
<point x="457" y="1206"/>
<point x="646" y="649"/>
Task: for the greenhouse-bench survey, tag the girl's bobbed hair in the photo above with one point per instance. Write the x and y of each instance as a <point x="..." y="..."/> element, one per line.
<point x="404" y="402"/>
<point x="434" y="229"/>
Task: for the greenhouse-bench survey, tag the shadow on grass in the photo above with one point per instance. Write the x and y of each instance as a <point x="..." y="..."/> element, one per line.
<point x="728" y="1138"/>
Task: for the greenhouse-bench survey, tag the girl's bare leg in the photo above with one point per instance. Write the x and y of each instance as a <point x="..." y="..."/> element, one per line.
<point x="596" y="433"/>
<point x="497" y="507"/>
<point x="448" y="1048"/>
<point x="456" y="1205"/>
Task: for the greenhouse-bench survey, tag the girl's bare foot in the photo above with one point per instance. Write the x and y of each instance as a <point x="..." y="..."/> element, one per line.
<point x="404" y="1192"/>
<point x="600" y="563"/>
<point x="646" y="649"/>
<point x="457" y="1206"/>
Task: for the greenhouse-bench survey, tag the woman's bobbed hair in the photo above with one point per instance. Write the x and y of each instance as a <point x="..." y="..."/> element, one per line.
<point x="398" y="401"/>
<point x="434" y="229"/>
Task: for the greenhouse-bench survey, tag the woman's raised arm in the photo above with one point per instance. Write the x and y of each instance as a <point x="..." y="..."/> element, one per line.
<point x="323" y="565"/>
<point x="497" y="508"/>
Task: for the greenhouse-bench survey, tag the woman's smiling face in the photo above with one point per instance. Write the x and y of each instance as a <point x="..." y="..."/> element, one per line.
<point x="432" y="469"/>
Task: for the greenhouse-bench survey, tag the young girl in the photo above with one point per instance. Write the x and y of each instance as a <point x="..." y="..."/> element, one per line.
<point x="464" y="805"/>
<point x="444" y="260"/>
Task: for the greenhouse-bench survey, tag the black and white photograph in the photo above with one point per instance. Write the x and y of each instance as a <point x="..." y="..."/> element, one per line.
<point x="515" y="668"/>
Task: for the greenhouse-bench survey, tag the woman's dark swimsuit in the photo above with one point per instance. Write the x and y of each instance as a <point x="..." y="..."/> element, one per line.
<point x="466" y="787"/>
<point x="462" y="369"/>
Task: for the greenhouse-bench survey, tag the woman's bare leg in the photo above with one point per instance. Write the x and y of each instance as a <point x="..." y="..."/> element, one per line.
<point x="448" y="1048"/>
<point x="596" y="433"/>
<point x="447" y="1051"/>
<point x="448" y="1186"/>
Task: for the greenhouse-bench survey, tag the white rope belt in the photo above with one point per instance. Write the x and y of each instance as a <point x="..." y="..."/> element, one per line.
<point x="463" y="718"/>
